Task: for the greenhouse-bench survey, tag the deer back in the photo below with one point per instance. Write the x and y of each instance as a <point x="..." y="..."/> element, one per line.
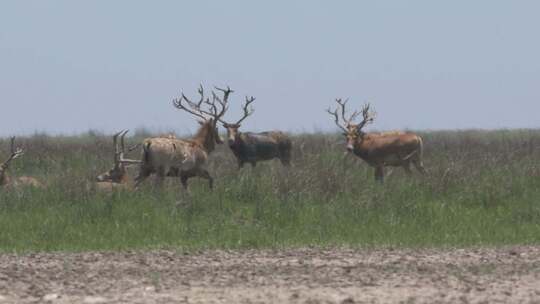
<point x="387" y="147"/>
<point x="166" y="153"/>
<point x="263" y="145"/>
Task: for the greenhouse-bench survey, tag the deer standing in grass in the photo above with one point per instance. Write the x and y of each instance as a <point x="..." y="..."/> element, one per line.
<point x="249" y="147"/>
<point x="379" y="150"/>
<point x="186" y="158"/>
<point x="117" y="177"/>
<point x="21" y="181"/>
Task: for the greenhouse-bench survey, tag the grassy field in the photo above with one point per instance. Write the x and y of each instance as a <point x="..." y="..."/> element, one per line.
<point x="483" y="188"/>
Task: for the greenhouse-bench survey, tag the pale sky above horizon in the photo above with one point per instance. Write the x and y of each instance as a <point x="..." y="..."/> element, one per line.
<point x="70" y="66"/>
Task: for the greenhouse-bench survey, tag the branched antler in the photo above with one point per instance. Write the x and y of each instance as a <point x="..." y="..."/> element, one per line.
<point x="248" y="110"/>
<point x="14" y="153"/>
<point x="196" y="108"/>
<point x="121" y="158"/>
<point x="336" y="118"/>
<point x="192" y="107"/>
<point x="367" y="115"/>
<point x="119" y="150"/>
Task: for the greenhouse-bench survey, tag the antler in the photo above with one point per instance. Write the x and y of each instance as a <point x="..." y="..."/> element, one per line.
<point x="341" y="106"/>
<point x="121" y="158"/>
<point x="196" y="108"/>
<point x="336" y="118"/>
<point x="247" y="111"/>
<point x="223" y="102"/>
<point x="116" y="149"/>
<point x="193" y="108"/>
<point x="119" y="151"/>
<point x="14" y="153"/>
<point x="367" y="115"/>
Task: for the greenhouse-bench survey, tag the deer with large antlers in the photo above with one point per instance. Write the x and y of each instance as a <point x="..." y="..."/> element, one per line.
<point x="379" y="150"/>
<point x="21" y="181"/>
<point x="117" y="177"/>
<point x="249" y="147"/>
<point x="186" y="158"/>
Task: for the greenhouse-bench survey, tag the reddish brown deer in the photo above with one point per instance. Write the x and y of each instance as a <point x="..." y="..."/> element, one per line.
<point x="186" y="158"/>
<point x="117" y="177"/>
<point x="249" y="147"/>
<point x="379" y="150"/>
<point x="21" y="181"/>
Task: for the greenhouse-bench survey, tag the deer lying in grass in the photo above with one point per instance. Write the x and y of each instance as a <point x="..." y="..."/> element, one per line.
<point x="379" y="150"/>
<point x="117" y="177"/>
<point x="249" y="147"/>
<point x="186" y="158"/>
<point x="21" y="181"/>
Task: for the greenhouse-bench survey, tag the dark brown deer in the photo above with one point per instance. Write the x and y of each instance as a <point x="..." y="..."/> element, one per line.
<point x="21" y="181"/>
<point x="249" y="147"/>
<point x="186" y="158"/>
<point x="379" y="150"/>
<point x="117" y="177"/>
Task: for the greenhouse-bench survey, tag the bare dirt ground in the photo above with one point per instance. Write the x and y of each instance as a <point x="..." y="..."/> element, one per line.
<point x="502" y="275"/>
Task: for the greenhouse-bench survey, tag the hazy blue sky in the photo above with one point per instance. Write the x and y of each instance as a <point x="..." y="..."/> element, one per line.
<point x="70" y="66"/>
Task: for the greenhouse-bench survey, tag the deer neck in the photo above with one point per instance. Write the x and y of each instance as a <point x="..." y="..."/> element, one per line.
<point x="237" y="141"/>
<point x="361" y="146"/>
<point x="204" y="139"/>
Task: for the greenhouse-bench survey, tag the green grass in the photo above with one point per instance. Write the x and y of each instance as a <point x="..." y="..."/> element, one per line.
<point x="483" y="189"/>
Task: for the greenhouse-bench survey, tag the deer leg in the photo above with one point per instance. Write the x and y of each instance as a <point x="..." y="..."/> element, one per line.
<point x="206" y="175"/>
<point x="407" y="167"/>
<point x="379" y="174"/>
<point x="184" y="179"/>
<point x="419" y="165"/>
<point x="160" y="176"/>
<point x="253" y="164"/>
<point x="285" y="158"/>
<point x="185" y="176"/>
<point x="143" y="174"/>
<point x="240" y="164"/>
<point x="285" y="161"/>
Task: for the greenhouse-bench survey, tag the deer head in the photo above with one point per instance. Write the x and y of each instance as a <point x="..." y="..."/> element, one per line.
<point x="353" y="132"/>
<point x="14" y="154"/>
<point x="210" y="112"/>
<point x="118" y="173"/>
<point x="232" y="128"/>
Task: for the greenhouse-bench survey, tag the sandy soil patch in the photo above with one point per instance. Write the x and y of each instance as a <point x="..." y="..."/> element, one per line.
<point x="502" y="275"/>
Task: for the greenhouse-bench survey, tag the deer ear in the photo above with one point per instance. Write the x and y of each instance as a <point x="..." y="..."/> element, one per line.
<point x="200" y="122"/>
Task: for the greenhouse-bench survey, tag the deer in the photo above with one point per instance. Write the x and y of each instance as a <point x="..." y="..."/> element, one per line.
<point x="379" y="150"/>
<point x="117" y="177"/>
<point x="249" y="147"/>
<point x="21" y="181"/>
<point x="186" y="158"/>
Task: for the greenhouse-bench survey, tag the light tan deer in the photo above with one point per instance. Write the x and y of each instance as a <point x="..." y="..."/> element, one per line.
<point x="21" y="181"/>
<point x="186" y="158"/>
<point x="117" y="177"/>
<point x="379" y="150"/>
